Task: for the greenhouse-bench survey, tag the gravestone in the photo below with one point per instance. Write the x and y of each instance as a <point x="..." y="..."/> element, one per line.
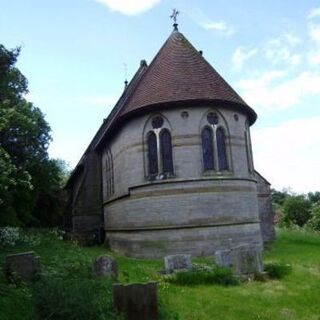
<point x="136" y="301"/>
<point x="247" y="260"/>
<point x="224" y="258"/>
<point x="105" y="266"/>
<point x="244" y="259"/>
<point x="23" y="266"/>
<point x="177" y="262"/>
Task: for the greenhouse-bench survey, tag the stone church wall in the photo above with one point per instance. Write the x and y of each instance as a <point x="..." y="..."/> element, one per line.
<point x="265" y="208"/>
<point x="86" y="198"/>
<point x="192" y="212"/>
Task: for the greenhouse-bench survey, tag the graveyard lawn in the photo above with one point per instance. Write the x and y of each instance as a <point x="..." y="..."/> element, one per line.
<point x="294" y="297"/>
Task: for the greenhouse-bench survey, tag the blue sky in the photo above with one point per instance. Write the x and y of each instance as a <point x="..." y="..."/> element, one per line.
<point x="74" y="54"/>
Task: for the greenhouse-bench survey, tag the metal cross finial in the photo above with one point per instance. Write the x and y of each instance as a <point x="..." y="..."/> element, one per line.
<point x="175" y="12"/>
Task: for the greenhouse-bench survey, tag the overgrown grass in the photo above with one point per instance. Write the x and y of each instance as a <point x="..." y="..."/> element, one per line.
<point x="296" y="296"/>
<point x="206" y="275"/>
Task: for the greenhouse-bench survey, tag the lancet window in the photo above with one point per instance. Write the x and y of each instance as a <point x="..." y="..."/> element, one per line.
<point x="214" y="146"/>
<point x="109" y="174"/>
<point x="159" y="145"/>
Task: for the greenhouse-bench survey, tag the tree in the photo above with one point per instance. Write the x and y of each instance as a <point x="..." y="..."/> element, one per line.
<point x="28" y="177"/>
<point x="296" y="210"/>
<point x="314" y="197"/>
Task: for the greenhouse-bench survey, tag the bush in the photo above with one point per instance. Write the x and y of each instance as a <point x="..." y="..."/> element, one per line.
<point x="74" y="299"/>
<point x="314" y="222"/>
<point x="205" y="275"/>
<point x="277" y="270"/>
<point x="296" y="211"/>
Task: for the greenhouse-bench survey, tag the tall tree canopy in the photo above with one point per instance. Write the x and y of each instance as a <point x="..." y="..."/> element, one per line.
<point x="29" y="180"/>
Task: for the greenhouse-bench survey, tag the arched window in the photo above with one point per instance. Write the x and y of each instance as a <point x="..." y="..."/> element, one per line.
<point x="207" y="148"/>
<point x="109" y="174"/>
<point x="222" y="150"/>
<point x="152" y="154"/>
<point x="166" y="151"/>
<point x="248" y="149"/>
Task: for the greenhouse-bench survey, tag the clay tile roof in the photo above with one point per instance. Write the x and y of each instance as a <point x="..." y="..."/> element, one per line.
<point x="180" y="73"/>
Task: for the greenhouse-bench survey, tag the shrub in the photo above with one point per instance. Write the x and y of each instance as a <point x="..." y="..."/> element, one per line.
<point x="74" y="299"/>
<point x="296" y="210"/>
<point x="9" y="236"/>
<point x="314" y="222"/>
<point x="207" y="275"/>
<point x="277" y="270"/>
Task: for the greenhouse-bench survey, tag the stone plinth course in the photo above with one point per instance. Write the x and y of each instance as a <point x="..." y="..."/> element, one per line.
<point x="136" y="301"/>
<point x="177" y="262"/>
<point x="23" y="266"/>
<point x="105" y="266"/>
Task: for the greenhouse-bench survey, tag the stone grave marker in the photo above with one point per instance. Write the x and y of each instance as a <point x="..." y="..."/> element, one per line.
<point x="136" y="301"/>
<point x="177" y="262"/>
<point x="224" y="258"/>
<point x="24" y="266"/>
<point x="244" y="259"/>
<point x="247" y="260"/>
<point x="105" y="266"/>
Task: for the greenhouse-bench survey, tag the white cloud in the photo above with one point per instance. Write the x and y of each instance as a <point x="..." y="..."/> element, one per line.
<point x="129" y="7"/>
<point x="106" y="101"/>
<point x="314" y="32"/>
<point x="220" y="26"/>
<point x="240" y="56"/>
<point x="281" y="50"/>
<point x="288" y="154"/>
<point x="314" y="13"/>
<point x="273" y="91"/>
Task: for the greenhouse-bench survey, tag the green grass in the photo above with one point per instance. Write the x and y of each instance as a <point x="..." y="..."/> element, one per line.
<point x="296" y="296"/>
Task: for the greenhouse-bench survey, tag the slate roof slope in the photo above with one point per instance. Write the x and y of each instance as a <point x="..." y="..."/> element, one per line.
<point x="180" y="73"/>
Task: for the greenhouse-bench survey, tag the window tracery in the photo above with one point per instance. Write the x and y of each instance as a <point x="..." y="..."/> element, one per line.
<point x="159" y="150"/>
<point x="214" y="146"/>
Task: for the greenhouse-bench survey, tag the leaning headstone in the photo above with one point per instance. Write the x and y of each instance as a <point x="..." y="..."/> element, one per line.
<point x="105" y="266"/>
<point x="224" y="258"/>
<point x="136" y="301"/>
<point x="247" y="260"/>
<point x="22" y="266"/>
<point x="177" y="262"/>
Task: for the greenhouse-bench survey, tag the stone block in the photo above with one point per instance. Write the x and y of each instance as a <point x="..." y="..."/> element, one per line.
<point x="24" y="266"/>
<point x="224" y="258"/>
<point x="136" y="301"/>
<point x="244" y="259"/>
<point x="177" y="262"/>
<point x="247" y="260"/>
<point x="105" y="266"/>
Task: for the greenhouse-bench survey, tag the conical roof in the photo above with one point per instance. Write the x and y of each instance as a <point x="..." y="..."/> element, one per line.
<point x="179" y="73"/>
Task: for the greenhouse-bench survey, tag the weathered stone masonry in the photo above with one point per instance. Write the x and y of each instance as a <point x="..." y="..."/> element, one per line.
<point x="184" y="194"/>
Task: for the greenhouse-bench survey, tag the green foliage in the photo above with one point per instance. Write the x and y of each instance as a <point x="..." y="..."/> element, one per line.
<point x="314" y="222"/>
<point x="277" y="270"/>
<point x="30" y="182"/>
<point x="296" y="210"/>
<point x="204" y="275"/>
<point x="297" y="294"/>
<point x="314" y="197"/>
<point x="74" y="299"/>
<point x="278" y="197"/>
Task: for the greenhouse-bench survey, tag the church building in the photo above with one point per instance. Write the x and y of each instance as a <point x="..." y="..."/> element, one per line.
<point x="171" y="170"/>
